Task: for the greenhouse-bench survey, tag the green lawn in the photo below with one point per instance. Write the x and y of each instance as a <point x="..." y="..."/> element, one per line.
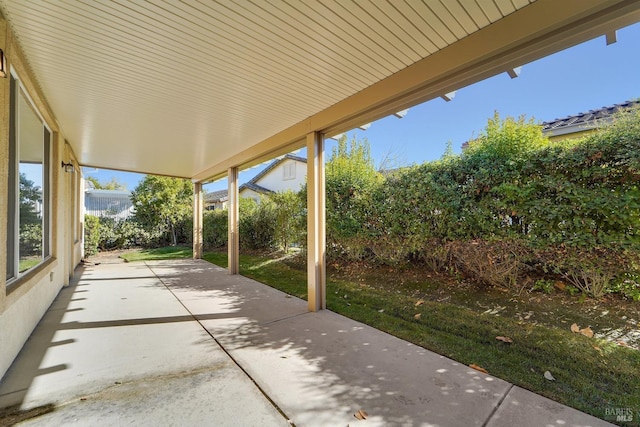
<point x="28" y="263"/>
<point x="168" y="252"/>
<point x="591" y="375"/>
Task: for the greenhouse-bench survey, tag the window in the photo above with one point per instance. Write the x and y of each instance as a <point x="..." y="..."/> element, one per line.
<point x="28" y="219"/>
<point x="289" y="170"/>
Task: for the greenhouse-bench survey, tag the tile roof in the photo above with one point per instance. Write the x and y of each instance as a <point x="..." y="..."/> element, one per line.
<point x="216" y="196"/>
<point x="583" y="121"/>
<point x="255" y="187"/>
<point x="222" y="195"/>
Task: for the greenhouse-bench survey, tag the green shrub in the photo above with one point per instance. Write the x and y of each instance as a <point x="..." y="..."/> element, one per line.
<point x="290" y="215"/>
<point x="257" y="224"/>
<point x="91" y="235"/>
<point x="628" y="284"/>
<point x="351" y="180"/>
<point x="125" y="233"/>
<point x="512" y="205"/>
<point x="215" y="226"/>
<point x="31" y="239"/>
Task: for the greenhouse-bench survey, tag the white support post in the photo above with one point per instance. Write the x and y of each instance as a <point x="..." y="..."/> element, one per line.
<point x="197" y="220"/>
<point x="316" y="237"/>
<point x="234" y="215"/>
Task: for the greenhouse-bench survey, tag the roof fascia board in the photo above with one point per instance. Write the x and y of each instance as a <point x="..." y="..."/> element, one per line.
<point x="579" y="128"/>
<point x="514" y="40"/>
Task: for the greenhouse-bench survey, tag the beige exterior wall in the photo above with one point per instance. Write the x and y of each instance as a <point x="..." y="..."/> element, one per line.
<point x="23" y="303"/>
<point x="250" y="194"/>
<point x="275" y="180"/>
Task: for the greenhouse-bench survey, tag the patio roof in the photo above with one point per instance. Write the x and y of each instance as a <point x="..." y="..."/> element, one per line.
<point x="192" y="88"/>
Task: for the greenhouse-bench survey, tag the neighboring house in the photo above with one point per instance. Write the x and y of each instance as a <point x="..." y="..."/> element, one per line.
<point x="286" y="173"/>
<point x="216" y="200"/>
<point x="583" y="123"/>
<point x="114" y="204"/>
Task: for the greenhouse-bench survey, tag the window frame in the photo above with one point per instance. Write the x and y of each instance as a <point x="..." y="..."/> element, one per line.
<point x="289" y="171"/>
<point x="13" y="273"/>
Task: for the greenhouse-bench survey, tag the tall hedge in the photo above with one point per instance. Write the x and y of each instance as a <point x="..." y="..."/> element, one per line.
<point x="215" y="228"/>
<point x="521" y="203"/>
<point x="257" y="224"/>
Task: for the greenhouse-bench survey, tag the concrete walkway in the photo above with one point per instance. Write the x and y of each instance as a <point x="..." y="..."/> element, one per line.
<point x="182" y="343"/>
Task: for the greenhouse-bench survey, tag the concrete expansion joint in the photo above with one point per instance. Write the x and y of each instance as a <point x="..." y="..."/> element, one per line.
<point x="271" y="322"/>
<point x="229" y="355"/>
<point x="495" y="408"/>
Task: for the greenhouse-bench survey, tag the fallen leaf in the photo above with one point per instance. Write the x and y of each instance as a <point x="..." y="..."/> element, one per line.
<point x="548" y="376"/>
<point x="560" y="285"/>
<point x="361" y="415"/>
<point x="505" y="339"/>
<point x="417" y="316"/>
<point x="597" y="348"/>
<point x="419" y="303"/>
<point x="587" y="332"/>
<point x="381" y="310"/>
<point x="575" y="328"/>
<point x="478" y="368"/>
<point x="622" y="343"/>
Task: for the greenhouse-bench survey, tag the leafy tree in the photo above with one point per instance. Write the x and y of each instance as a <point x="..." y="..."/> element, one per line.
<point x="30" y="196"/>
<point x="163" y="203"/>
<point x="114" y="184"/>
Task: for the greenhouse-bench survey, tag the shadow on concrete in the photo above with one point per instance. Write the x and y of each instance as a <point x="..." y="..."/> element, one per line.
<point x="318" y="368"/>
<point x="26" y="367"/>
<point x="321" y="368"/>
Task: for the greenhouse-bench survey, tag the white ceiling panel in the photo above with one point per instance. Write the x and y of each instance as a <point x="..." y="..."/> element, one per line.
<point x="173" y="87"/>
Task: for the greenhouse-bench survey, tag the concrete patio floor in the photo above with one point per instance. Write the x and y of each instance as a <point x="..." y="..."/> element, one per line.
<point x="182" y="343"/>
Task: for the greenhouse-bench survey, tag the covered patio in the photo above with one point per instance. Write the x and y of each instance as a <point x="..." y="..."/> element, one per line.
<point x="201" y="90"/>
<point x="184" y="343"/>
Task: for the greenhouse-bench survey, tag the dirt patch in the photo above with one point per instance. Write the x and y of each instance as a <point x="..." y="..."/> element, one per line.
<point x="13" y="416"/>
<point x="108" y="257"/>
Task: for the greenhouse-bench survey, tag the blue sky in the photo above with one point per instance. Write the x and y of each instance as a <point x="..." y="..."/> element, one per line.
<point x="582" y="78"/>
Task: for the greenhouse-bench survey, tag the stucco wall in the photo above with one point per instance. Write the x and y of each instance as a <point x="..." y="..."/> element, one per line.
<point x="247" y="193"/>
<point x="24" y="302"/>
<point x="274" y="179"/>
